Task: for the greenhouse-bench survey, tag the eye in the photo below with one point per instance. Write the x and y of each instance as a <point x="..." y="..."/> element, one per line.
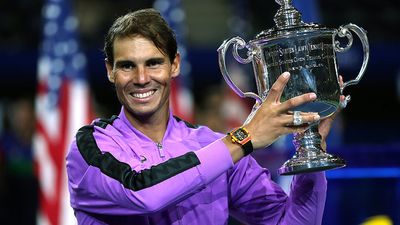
<point x="126" y="66"/>
<point x="154" y="63"/>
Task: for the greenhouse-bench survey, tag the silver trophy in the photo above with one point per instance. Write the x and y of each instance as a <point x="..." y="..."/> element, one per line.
<point x="308" y="52"/>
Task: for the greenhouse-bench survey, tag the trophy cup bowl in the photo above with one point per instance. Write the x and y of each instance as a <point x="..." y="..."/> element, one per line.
<point x="308" y="52"/>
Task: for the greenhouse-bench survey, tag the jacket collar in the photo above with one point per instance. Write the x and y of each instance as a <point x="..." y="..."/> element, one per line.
<point x="169" y="133"/>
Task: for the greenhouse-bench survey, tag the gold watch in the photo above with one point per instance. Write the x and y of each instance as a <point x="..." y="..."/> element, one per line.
<point x="242" y="137"/>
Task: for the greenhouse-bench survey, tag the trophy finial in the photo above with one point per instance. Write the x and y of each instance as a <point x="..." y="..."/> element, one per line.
<point x="284" y="2"/>
<point x="287" y="15"/>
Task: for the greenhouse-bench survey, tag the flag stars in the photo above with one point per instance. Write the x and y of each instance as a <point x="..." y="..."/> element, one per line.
<point x="52" y="11"/>
<point x="58" y="66"/>
<point x="65" y="48"/>
<point x="50" y="28"/>
<point x="43" y="67"/>
<point x="78" y="61"/>
<point x="61" y="49"/>
<point x="72" y="46"/>
<point x="54" y="83"/>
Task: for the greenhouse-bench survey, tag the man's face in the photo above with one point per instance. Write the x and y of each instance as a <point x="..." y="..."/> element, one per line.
<point x="142" y="76"/>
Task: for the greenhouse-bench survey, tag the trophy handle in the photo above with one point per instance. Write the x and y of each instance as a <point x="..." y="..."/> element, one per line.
<point x="344" y="31"/>
<point x="238" y="43"/>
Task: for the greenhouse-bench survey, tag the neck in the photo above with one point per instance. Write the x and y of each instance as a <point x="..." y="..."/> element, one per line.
<point x="153" y="126"/>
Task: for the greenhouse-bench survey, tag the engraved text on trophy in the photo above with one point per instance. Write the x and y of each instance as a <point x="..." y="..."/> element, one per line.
<point x="311" y="63"/>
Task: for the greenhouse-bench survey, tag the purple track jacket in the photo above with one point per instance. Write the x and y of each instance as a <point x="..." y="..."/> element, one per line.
<point x="119" y="176"/>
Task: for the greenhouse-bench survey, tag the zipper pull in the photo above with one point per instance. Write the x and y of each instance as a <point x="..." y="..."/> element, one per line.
<point x="160" y="149"/>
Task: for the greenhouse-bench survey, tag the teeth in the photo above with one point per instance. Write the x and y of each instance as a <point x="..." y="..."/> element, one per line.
<point x="143" y="95"/>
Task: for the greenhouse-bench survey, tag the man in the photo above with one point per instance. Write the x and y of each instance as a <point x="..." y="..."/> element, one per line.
<point x="146" y="166"/>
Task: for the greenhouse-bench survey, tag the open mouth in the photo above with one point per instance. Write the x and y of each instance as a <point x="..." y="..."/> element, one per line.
<point x="143" y="95"/>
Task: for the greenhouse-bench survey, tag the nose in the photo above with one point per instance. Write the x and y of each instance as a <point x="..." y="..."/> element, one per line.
<point x="142" y="76"/>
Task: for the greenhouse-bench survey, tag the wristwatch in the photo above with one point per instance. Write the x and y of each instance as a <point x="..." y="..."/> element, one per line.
<point x="242" y="137"/>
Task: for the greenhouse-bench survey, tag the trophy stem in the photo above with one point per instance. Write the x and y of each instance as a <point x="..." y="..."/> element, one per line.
<point x="309" y="156"/>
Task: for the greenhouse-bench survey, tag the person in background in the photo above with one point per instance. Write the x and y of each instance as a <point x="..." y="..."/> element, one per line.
<point x="146" y="166"/>
<point x="20" y="187"/>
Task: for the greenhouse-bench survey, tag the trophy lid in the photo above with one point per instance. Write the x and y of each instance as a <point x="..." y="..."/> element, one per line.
<point x="287" y="20"/>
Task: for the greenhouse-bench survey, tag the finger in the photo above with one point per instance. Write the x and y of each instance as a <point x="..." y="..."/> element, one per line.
<point x="306" y="118"/>
<point x="342" y="103"/>
<point x="340" y="81"/>
<point x="294" y="129"/>
<point x="276" y="90"/>
<point x="325" y="126"/>
<point x="302" y="113"/>
<point x="296" y="101"/>
<point x="341" y="100"/>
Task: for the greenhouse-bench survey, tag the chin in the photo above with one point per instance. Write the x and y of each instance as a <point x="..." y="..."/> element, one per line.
<point x="145" y="111"/>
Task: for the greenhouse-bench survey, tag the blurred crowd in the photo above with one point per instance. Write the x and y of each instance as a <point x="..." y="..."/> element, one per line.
<point x="18" y="182"/>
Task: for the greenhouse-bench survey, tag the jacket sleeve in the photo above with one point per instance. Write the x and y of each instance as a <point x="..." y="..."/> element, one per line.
<point x="256" y="199"/>
<point x="99" y="183"/>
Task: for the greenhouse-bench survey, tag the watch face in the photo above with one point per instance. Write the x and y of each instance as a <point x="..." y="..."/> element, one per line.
<point x="240" y="134"/>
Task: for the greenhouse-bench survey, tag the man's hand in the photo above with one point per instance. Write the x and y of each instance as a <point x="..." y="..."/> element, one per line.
<point x="273" y="118"/>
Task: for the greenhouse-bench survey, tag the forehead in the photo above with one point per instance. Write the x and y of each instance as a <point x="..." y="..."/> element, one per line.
<point x="135" y="47"/>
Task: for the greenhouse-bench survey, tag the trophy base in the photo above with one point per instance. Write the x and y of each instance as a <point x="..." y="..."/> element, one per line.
<point x="323" y="161"/>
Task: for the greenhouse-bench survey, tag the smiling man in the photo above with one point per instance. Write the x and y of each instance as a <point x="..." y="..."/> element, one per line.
<point x="146" y="166"/>
<point x="142" y="75"/>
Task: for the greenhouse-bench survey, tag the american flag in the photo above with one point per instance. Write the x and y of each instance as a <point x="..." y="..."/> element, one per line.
<point x="181" y="95"/>
<point x="62" y="106"/>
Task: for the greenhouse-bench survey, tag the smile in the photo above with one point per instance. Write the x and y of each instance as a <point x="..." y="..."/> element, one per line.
<point x="143" y="95"/>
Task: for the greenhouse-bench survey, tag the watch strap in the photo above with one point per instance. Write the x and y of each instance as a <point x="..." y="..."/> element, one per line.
<point x="247" y="148"/>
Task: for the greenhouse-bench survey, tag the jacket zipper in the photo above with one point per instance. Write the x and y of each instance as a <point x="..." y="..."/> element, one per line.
<point x="160" y="150"/>
<point x="162" y="155"/>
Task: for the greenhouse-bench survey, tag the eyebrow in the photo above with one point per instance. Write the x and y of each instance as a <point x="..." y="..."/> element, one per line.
<point x="150" y="60"/>
<point x="124" y="62"/>
<point x="155" y="60"/>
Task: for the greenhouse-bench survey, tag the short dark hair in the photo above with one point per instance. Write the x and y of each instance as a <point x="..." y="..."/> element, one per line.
<point x="147" y="23"/>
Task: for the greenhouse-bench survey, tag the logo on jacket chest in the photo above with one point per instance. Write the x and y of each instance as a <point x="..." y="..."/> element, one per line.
<point x="143" y="159"/>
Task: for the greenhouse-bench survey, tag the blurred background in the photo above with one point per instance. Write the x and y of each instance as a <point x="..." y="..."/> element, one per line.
<point x="366" y="133"/>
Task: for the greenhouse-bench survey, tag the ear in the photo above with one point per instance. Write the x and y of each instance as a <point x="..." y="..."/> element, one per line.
<point x="110" y="73"/>
<point x="176" y="66"/>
